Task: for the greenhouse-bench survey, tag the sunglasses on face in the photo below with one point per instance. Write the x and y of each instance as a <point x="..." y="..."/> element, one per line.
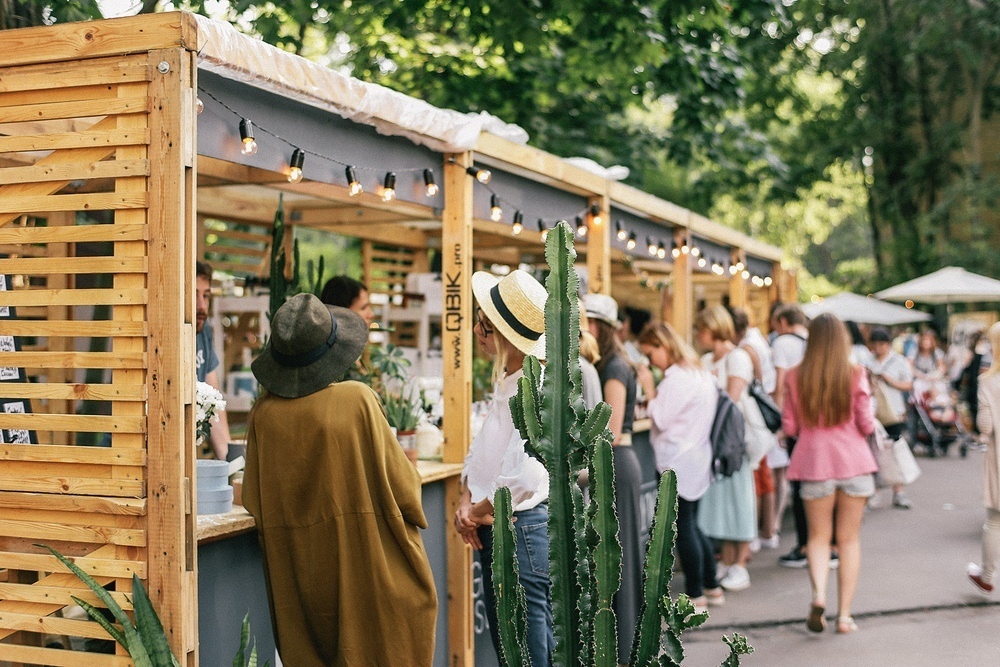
<point x="484" y="324"/>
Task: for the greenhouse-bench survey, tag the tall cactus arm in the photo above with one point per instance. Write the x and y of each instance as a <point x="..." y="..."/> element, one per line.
<point x="277" y="282"/>
<point x="562" y="321"/>
<point x="524" y="410"/>
<point x="511" y="606"/>
<point x="607" y="554"/>
<point x="657" y="570"/>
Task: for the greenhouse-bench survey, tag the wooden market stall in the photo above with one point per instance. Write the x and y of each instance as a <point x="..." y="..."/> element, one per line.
<point x="121" y="164"/>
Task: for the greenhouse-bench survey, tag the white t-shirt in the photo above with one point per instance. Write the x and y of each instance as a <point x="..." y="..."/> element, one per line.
<point x="682" y="413"/>
<point x="787" y="351"/>
<point x="497" y="457"/>
<point x="896" y="368"/>
<point x="756" y="340"/>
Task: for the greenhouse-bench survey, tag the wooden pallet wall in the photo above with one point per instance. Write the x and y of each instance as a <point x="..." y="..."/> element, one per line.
<point x="96" y="162"/>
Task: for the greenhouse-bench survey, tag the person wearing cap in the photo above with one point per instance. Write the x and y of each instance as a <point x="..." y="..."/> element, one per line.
<point x="510" y="325"/>
<point x="618" y="382"/>
<point x="336" y="502"/>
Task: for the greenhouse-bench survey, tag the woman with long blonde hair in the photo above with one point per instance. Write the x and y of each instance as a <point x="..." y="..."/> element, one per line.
<point x="988" y="423"/>
<point x="682" y="409"/>
<point x="828" y="408"/>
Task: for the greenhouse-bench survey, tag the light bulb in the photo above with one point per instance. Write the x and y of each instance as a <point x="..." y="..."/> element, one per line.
<point x="630" y="244"/>
<point x="695" y="251"/>
<point x="595" y="213"/>
<point x="295" y="166"/>
<point x="246" y="136"/>
<point x="581" y="227"/>
<point x="518" y="223"/>
<point x="496" y="213"/>
<point x="389" y="186"/>
<point x="767" y="281"/>
<point x="431" y="187"/>
<point x="650" y="246"/>
<point x="676" y="253"/>
<point x="620" y="231"/>
<point x="481" y="175"/>
<point x="353" y="184"/>
<point x="199" y="106"/>
<point x="745" y="275"/>
<point x="702" y="262"/>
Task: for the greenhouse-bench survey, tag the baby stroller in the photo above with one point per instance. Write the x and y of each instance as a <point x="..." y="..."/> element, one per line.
<point x="938" y="425"/>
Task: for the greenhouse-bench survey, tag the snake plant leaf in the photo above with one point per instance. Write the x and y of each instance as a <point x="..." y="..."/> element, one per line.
<point x="97" y="615"/>
<point x="657" y="570"/>
<point x="132" y="641"/>
<point x="511" y="606"/>
<point x="607" y="555"/>
<point x="150" y="629"/>
<point x="239" y="660"/>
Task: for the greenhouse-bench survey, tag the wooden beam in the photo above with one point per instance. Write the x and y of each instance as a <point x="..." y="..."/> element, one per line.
<point x="537" y="165"/>
<point x="93" y="39"/>
<point x="737" y="285"/>
<point x="456" y="345"/>
<point x="599" y="246"/>
<point x="392" y="234"/>
<point x="682" y="301"/>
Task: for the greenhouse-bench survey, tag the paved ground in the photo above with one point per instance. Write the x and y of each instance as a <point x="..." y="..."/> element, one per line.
<point x="914" y="605"/>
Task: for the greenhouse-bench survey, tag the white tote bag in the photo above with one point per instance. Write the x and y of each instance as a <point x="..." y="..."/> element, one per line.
<point x="896" y="464"/>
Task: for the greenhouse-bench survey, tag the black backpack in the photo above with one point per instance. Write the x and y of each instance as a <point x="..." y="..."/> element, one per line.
<point x="728" y="436"/>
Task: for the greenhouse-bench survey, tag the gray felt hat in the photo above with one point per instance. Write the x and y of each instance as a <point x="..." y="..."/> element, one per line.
<point x="311" y="346"/>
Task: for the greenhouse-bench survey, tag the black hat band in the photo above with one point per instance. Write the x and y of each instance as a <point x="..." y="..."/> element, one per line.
<point x="509" y="318"/>
<point x="309" y="356"/>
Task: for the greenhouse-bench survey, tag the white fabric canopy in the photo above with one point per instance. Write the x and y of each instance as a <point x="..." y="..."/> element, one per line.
<point x="948" y="285"/>
<point x="864" y="310"/>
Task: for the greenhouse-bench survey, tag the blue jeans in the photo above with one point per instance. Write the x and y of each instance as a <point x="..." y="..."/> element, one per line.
<point x="532" y="531"/>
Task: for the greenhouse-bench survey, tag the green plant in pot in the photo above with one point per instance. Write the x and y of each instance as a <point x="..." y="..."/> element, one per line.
<point x="387" y="374"/>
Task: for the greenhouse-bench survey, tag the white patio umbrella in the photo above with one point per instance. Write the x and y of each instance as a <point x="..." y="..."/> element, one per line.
<point x="948" y="285"/>
<point x="864" y="310"/>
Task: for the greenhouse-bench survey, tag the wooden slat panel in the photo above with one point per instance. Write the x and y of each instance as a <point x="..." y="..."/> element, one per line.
<point x="88" y="423"/>
<point x="73" y="140"/>
<point x="75" y="109"/>
<point x="88" y="535"/>
<point x="236" y="267"/>
<point x="31" y="622"/>
<point x="97" y="567"/>
<point x="262" y="238"/>
<point x="53" y="595"/>
<point x="73" y="454"/>
<point x="98" y="71"/>
<point x="69" y="503"/>
<point x="237" y="250"/>
<point x="74" y="171"/>
<point x="97" y="201"/>
<point x="82" y="519"/>
<point x="76" y="486"/>
<point x="97" y="328"/>
<point x="25" y="97"/>
<point x="75" y="234"/>
<point x="73" y="297"/>
<point x="95" y="392"/>
<point x="34" y="655"/>
<point x="62" y="265"/>
<point x="73" y="359"/>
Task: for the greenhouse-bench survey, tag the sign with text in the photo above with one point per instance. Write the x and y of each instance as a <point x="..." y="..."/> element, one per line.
<point x="12" y="374"/>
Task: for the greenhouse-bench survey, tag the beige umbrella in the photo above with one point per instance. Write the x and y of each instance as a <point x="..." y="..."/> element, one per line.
<point x="864" y="310"/>
<point x="948" y="285"/>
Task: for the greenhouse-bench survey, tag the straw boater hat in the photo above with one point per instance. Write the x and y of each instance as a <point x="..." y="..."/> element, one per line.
<point x="602" y="307"/>
<point x="515" y="305"/>
<point x="311" y="346"/>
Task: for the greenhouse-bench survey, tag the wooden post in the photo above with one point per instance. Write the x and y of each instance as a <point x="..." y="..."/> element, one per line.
<point x="456" y="345"/>
<point x="683" y="289"/>
<point x="170" y="429"/>
<point x="737" y="284"/>
<point x="599" y="245"/>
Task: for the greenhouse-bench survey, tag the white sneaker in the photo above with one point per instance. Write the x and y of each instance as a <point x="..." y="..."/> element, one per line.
<point x="769" y="542"/>
<point x="721" y="571"/>
<point x="737" y="579"/>
<point x="755" y="545"/>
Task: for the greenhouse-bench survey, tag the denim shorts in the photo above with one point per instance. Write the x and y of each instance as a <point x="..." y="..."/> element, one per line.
<point x="861" y="486"/>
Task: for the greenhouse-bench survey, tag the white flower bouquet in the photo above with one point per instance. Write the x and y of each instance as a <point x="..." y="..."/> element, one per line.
<point x="210" y="402"/>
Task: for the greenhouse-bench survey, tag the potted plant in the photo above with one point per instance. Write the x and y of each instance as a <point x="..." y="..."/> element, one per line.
<point x="387" y="375"/>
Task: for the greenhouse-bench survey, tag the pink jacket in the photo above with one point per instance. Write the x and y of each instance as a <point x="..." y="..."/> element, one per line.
<point x="830" y="452"/>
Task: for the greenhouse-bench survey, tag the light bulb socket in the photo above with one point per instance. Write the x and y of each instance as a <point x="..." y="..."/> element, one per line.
<point x="630" y="244"/>
<point x="518" y="223"/>
<point x="480" y="174"/>
<point x="353" y="183"/>
<point x="390" y="180"/>
<point x="298" y="158"/>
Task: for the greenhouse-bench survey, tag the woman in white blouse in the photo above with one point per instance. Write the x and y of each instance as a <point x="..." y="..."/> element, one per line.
<point x="510" y="325"/>
<point x="682" y="409"/>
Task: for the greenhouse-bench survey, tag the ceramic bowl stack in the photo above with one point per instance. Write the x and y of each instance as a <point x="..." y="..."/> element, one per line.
<point x="215" y="495"/>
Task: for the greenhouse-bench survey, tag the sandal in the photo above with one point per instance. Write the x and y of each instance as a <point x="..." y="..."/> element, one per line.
<point x="846" y="625"/>
<point x="816" y="621"/>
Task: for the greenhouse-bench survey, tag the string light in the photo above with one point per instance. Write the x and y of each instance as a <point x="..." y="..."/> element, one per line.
<point x="767" y="281"/>
<point x="246" y="136"/>
<point x="353" y="184"/>
<point x="740" y="266"/>
<point x="581" y="227"/>
<point x="702" y="262"/>
<point x="481" y="175"/>
<point x="630" y="244"/>
<point x="732" y="269"/>
<point x="518" y="223"/>
<point x="650" y="246"/>
<point x="685" y="249"/>
<point x="595" y="213"/>
<point x="429" y="184"/>
<point x="661" y="251"/>
<point x="620" y="231"/>
<point x="675" y="252"/>
<point x="295" y="166"/>
<point x="696" y="252"/>
<point x="543" y="229"/>
<point x="389" y="186"/>
<point x="745" y="274"/>
<point x="496" y="213"/>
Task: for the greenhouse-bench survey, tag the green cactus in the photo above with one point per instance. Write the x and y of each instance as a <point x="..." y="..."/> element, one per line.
<point x="511" y="606"/>
<point x="584" y="552"/>
<point x="279" y="287"/>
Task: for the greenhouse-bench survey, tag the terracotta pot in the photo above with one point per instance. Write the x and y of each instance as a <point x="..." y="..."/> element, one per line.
<point x="408" y="441"/>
